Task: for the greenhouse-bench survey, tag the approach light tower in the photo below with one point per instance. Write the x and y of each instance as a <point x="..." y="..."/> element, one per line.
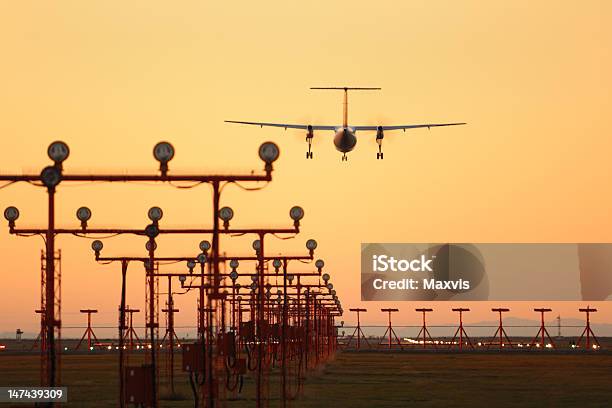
<point x="51" y="176"/>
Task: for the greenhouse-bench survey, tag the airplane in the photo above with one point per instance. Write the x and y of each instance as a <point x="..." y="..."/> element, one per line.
<point x="345" y="136"/>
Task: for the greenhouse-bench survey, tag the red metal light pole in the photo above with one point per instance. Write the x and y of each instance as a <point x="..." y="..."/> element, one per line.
<point x="424" y="329"/>
<point x="543" y="331"/>
<point x="89" y="333"/>
<point x="500" y="330"/>
<point x="461" y="331"/>
<point x="587" y="330"/>
<point x="358" y="330"/>
<point x="131" y="333"/>
<point x="390" y="330"/>
<point x="170" y="333"/>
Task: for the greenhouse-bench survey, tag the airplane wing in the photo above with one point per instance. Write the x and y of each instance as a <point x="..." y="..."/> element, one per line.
<point x="286" y="125"/>
<point x="404" y="127"/>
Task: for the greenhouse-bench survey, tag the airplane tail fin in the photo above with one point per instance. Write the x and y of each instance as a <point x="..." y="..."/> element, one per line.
<point x="345" y="105"/>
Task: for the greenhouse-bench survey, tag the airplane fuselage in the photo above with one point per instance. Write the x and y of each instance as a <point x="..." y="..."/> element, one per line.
<point x="345" y="139"/>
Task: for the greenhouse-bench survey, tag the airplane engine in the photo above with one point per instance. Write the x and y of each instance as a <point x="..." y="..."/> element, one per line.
<point x="379" y="138"/>
<point x="379" y="135"/>
<point x="309" y="137"/>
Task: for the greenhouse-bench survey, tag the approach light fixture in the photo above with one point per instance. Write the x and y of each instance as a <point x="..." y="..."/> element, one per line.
<point x="311" y="245"/>
<point x="152" y="231"/>
<point x="58" y="151"/>
<point x="256" y="246"/>
<point x="296" y="213"/>
<point x="319" y="264"/>
<point x="325" y="277"/>
<point x="277" y="264"/>
<point x="11" y="214"/>
<point x="234" y="264"/>
<point x="163" y="153"/>
<point x="97" y="246"/>
<point x="226" y="214"/>
<point x="51" y="176"/>
<point x="202" y="258"/>
<point x="83" y="214"/>
<point x="155" y="214"/>
<point x="148" y="246"/>
<point x="190" y="265"/>
<point x="268" y="152"/>
<point x="204" y="246"/>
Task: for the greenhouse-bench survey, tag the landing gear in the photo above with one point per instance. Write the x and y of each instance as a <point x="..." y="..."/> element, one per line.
<point x="379" y="155"/>
<point x="379" y="138"/>
<point x="309" y="138"/>
<point x="344" y="157"/>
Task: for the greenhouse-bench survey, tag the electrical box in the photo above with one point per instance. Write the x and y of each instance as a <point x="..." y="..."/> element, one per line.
<point x="139" y="385"/>
<point x="194" y="357"/>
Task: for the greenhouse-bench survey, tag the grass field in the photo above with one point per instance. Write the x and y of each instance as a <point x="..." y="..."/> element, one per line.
<point x="376" y="379"/>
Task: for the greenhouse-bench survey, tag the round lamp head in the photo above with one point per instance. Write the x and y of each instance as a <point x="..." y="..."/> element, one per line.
<point x="226" y="214"/>
<point x="319" y="263"/>
<point x="238" y="286"/>
<point x="202" y="258"/>
<point x="254" y="278"/>
<point x="253" y="286"/>
<point x="290" y="278"/>
<point x="182" y="278"/>
<point x="311" y="244"/>
<point x="151" y="231"/>
<point x="163" y="152"/>
<point x="234" y="263"/>
<point x="256" y="245"/>
<point x="333" y="293"/>
<point x="11" y="214"/>
<point x="325" y="277"/>
<point x="276" y="263"/>
<point x="155" y="214"/>
<point x="97" y="245"/>
<point x="204" y="245"/>
<point x="51" y="176"/>
<point x="151" y="245"/>
<point x="268" y="152"/>
<point x="233" y="275"/>
<point x="58" y="151"/>
<point x="330" y="286"/>
<point x="191" y="264"/>
<point x="296" y="213"/>
<point x="239" y="298"/>
<point x="83" y="214"/>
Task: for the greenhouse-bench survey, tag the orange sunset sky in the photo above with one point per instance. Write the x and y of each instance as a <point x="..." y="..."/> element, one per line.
<point x="112" y="78"/>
